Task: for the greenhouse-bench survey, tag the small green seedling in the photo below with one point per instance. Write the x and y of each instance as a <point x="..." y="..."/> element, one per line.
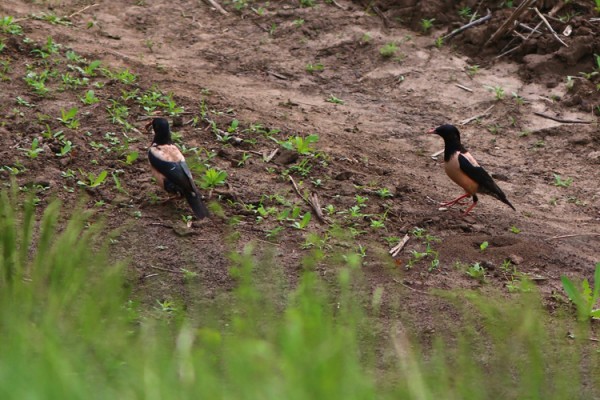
<point x="427" y="24"/>
<point x="518" y="99"/>
<point x="68" y="118"/>
<point x="93" y="180"/>
<point x="585" y="299"/>
<point x="303" y="222"/>
<point x="560" y="182"/>
<point x="298" y="22"/>
<point x="472" y="70"/>
<point x="384" y="193"/>
<point x="89" y="98"/>
<point x="483" y="246"/>
<point x="130" y="158"/>
<point x="439" y="42"/>
<point x="307" y="3"/>
<point x="22" y="102"/>
<point x="476" y="271"/>
<point x="213" y="178"/>
<point x="317" y="67"/>
<point x="498" y="92"/>
<point x="272" y="234"/>
<point x="334" y="100"/>
<point x="465" y="12"/>
<point x="47" y="49"/>
<point x="34" y="150"/>
<point x="234" y="126"/>
<point x="388" y="50"/>
<point x="65" y="149"/>
<point x="7" y="25"/>
<point x="515" y="230"/>
<point x="301" y="144"/>
<point x="377" y="224"/>
<point x="188" y="275"/>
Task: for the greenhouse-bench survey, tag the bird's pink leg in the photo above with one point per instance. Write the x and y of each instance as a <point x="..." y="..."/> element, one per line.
<point x="455" y="201"/>
<point x="470" y="208"/>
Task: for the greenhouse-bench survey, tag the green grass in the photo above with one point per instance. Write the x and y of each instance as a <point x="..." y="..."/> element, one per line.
<point x="71" y="330"/>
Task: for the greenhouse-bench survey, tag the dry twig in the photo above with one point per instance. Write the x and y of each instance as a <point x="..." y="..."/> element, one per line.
<point x="467" y="26"/>
<point x="463" y="87"/>
<point x="484" y="114"/>
<point x="562" y="120"/>
<point x="549" y="27"/>
<point x="437" y="154"/>
<point x="509" y="22"/>
<point x="394" y="251"/>
<point x="82" y="10"/>
<point x="571" y="235"/>
<point x="313" y="202"/>
<point x="217" y="6"/>
<point x="166" y="269"/>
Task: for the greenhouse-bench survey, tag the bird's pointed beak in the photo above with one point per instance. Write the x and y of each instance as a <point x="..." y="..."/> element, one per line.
<point x="432" y="130"/>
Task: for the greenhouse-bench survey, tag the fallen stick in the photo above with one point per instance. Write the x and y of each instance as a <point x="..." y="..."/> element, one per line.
<point x="335" y="3"/>
<point x="467" y="26"/>
<point x="528" y="28"/>
<point x="411" y="288"/>
<point x="82" y="10"/>
<point x="270" y="156"/>
<point x="549" y="27"/>
<point x="556" y="8"/>
<point x="437" y="154"/>
<point x="394" y="251"/>
<point x="166" y="269"/>
<point x="571" y="235"/>
<point x="314" y="205"/>
<point x="561" y="120"/>
<point x="483" y="114"/>
<point x="507" y="52"/>
<point x="534" y="30"/>
<point x="217" y="6"/>
<point x="515" y="32"/>
<point x="380" y="14"/>
<point x="278" y="76"/>
<point x="507" y="24"/>
<point x="463" y="87"/>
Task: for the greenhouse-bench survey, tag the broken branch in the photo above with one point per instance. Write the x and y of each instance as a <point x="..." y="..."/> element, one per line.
<point x="562" y="120"/>
<point x="398" y="248"/>
<point x="549" y="27"/>
<point x="463" y="87"/>
<point x="313" y="202"/>
<point x="82" y="10"/>
<point x="572" y="235"/>
<point x="484" y="114"/>
<point x="467" y="26"/>
<point x="217" y="6"/>
<point x="509" y="22"/>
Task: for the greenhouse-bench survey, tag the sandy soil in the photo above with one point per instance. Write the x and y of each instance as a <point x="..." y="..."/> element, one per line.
<point x="253" y="68"/>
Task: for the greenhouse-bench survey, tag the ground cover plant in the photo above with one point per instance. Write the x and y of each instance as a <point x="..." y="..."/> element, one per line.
<point x="72" y="330"/>
<point x="304" y="126"/>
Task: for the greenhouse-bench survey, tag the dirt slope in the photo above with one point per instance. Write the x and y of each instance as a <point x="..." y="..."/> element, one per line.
<point x="254" y="69"/>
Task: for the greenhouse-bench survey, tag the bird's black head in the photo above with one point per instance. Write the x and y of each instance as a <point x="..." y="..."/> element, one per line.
<point x="448" y="132"/>
<point x="162" y="133"/>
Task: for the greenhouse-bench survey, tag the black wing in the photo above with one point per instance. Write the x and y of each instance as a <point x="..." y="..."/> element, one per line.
<point x="178" y="178"/>
<point x="485" y="181"/>
<point x="176" y="173"/>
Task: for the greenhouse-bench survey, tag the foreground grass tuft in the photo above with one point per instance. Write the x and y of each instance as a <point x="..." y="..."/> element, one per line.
<point x="70" y="330"/>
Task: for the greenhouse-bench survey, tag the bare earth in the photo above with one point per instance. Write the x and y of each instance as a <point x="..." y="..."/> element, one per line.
<point x="253" y="68"/>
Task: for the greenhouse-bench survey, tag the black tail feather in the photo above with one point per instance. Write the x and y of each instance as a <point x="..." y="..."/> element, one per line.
<point x="502" y="198"/>
<point x="198" y="206"/>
